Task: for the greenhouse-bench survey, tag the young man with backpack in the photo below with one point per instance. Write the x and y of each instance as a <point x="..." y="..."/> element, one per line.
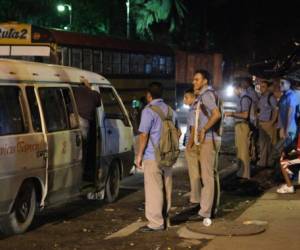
<point x="159" y="150"/>
<point x="242" y="128"/>
<point x="267" y="119"/>
<point x="207" y="140"/>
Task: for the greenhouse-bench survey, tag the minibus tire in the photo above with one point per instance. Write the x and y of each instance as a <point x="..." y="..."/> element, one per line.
<point x="22" y="214"/>
<point x="112" y="186"/>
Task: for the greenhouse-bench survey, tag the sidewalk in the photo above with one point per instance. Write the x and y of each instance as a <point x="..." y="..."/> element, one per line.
<point x="282" y="212"/>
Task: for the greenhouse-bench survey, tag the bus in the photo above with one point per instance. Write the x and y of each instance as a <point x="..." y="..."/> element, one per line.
<point x="41" y="145"/>
<point x="129" y="65"/>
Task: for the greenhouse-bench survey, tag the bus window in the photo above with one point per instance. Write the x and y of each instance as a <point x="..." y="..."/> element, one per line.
<point x="116" y="63"/>
<point x="125" y="63"/>
<point x="34" y="109"/>
<point x="65" y="56"/>
<point x="53" y="107"/>
<point x="148" y="64"/>
<point x="11" y="118"/>
<point x="162" y="65"/>
<point x="140" y="61"/>
<point x="111" y="105"/>
<point x="107" y="62"/>
<point x="134" y="64"/>
<point x="97" y="61"/>
<point x="155" y="65"/>
<point x="87" y="59"/>
<point x="76" y="58"/>
<point x="69" y="106"/>
<point x="169" y="67"/>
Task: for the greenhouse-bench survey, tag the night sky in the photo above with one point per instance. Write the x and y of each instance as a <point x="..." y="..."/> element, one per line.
<point x="246" y="30"/>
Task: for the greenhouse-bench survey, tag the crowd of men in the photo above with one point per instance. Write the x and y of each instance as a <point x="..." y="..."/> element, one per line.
<point x="264" y="120"/>
<point x="267" y="120"/>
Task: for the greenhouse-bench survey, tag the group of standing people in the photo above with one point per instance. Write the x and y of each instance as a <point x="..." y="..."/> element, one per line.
<point x="262" y="118"/>
<point x="267" y="120"/>
<point x="202" y="152"/>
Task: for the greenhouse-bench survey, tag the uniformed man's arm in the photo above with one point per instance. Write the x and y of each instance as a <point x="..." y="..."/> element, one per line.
<point x="176" y="123"/>
<point x="144" y="129"/>
<point x="215" y="117"/>
<point x="192" y="132"/>
<point x="210" y="102"/>
<point x="292" y="107"/>
<point x="244" y="114"/>
<point x="143" y="140"/>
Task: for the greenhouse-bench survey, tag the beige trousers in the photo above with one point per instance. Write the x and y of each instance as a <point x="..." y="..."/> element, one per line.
<point x="194" y="174"/>
<point x="208" y="153"/>
<point x="242" y="149"/>
<point x="267" y="140"/>
<point x="158" y="191"/>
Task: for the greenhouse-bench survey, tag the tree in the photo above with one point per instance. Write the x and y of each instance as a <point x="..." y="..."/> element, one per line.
<point x="147" y="13"/>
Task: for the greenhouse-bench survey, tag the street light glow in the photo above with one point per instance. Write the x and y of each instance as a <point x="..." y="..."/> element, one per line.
<point x="61" y="8"/>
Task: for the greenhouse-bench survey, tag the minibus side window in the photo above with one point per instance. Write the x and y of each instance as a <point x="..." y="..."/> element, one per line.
<point x="111" y="105"/>
<point x="11" y="119"/>
<point x="69" y="106"/>
<point x="53" y="107"/>
<point x="34" y="109"/>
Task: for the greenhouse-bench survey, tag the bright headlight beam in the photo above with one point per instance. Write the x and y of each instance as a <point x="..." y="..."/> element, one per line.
<point x="229" y="91"/>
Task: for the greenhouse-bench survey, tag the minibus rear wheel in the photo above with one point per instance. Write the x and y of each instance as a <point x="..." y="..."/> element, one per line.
<point x="112" y="186"/>
<point x="23" y="211"/>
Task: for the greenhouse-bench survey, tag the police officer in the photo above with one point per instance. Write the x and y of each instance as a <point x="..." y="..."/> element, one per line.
<point x="157" y="180"/>
<point x="207" y="142"/>
<point x="242" y="128"/>
<point x="267" y="119"/>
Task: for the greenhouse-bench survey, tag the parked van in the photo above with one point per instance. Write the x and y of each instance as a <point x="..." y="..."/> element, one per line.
<point x="41" y="142"/>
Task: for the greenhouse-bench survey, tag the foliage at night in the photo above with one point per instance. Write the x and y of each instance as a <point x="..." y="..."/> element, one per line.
<point x="149" y="12"/>
<point x="243" y="31"/>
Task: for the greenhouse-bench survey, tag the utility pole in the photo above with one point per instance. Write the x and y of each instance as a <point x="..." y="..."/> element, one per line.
<point x="128" y="18"/>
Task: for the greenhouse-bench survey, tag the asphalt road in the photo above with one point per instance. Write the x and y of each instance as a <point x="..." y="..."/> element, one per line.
<point x="96" y="225"/>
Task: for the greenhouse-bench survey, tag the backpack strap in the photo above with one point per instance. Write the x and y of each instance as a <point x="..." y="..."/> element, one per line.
<point x="161" y="114"/>
<point x="158" y="111"/>
<point x="205" y="112"/>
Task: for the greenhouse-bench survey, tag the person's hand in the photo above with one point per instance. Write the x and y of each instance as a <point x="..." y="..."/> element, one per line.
<point x="201" y="135"/>
<point x="138" y="162"/>
<point x="282" y="133"/>
<point x="227" y="114"/>
<point x="189" y="145"/>
<point x="179" y="133"/>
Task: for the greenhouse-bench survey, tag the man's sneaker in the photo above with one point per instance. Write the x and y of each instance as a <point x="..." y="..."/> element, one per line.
<point x="284" y="189"/>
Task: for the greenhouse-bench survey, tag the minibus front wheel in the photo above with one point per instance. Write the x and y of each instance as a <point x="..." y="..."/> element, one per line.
<point x="23" y="211"/>
<point x="112" y="186"/>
